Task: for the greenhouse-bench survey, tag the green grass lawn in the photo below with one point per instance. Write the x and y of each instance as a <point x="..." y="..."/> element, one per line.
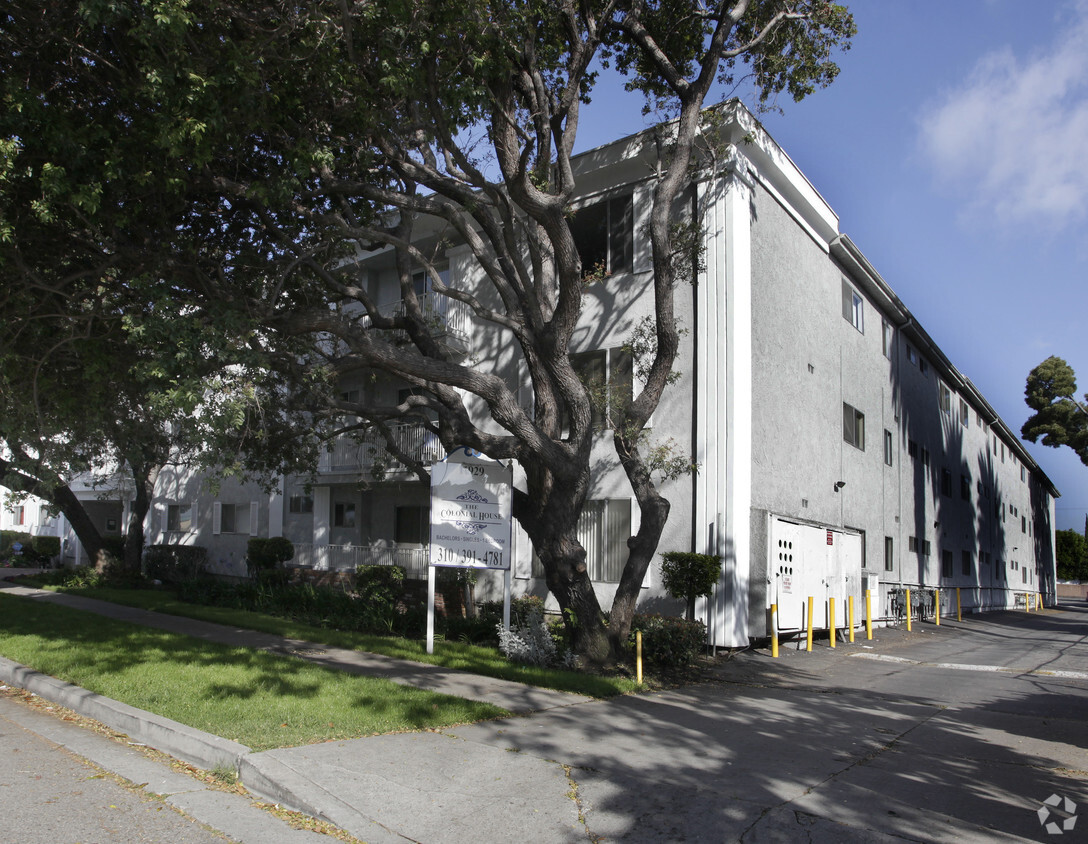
<point x="485" y="661"/>
<point x="253" y="697"/>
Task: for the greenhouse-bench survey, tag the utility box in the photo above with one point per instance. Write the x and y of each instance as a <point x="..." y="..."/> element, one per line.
<point x="871" y="581"/>
<point x="814" y="561"/>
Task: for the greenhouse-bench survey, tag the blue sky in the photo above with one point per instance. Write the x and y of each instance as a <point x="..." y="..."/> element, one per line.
<point x="954" y="148"/>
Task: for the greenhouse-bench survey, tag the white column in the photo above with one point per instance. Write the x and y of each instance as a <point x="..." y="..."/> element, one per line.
<point x="724" y="403"/>
<point x="321" y="515"/>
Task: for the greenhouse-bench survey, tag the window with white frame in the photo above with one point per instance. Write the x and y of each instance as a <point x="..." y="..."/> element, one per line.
<point x="604" y="234"/>
<point x="965" y="414"/>
<point x="887" y="338"/>
<point x="18" y="514"/>
<point x="609" y="377"/>
<point x="853" y="306"/>
<point x="853" y="426"/>
<point x="603" y="530"/>
<point x="179" y="518"/>
<point x="234" y="518"/>
<point x="945" y="398"/>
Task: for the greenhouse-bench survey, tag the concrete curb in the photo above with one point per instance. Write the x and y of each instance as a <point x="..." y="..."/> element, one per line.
<point x="183" y="742"/>
<point x="275" y="781"/>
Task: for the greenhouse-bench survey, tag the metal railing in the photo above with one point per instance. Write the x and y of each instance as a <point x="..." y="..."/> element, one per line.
<point x="348" y="454"/>
<point x="412" y="558"/>
<point x="445" y="315"/>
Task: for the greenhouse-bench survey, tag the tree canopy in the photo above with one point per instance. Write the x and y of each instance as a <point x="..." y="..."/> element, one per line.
<point x="235" y="159"/>
<point x="1059" y="418"/>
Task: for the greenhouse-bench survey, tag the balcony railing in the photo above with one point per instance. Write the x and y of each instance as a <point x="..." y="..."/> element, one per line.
<point x="413" y="558"/>
<point x="447" y="317"/>
<point x="349" y="454"/>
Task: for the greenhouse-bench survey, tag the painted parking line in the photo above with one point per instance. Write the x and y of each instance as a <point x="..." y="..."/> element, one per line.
<point x="995" y="669"/>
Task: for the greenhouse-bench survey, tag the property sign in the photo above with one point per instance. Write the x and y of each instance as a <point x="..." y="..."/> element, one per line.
<point x="471" y="507"/>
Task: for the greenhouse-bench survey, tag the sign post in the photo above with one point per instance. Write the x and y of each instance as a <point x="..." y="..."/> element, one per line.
<point x="471" y="509"/>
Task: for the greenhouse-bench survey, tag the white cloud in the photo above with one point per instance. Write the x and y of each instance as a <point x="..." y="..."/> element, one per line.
<point x="1014" y="135"/>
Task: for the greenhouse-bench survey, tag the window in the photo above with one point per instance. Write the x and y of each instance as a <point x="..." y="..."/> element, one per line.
<point x="603" y="530"/>
<point x="604" y="236"/>
<point x="412" y="525"/>
<point x="945" y="396"/>
<point x="946" y="482"/>
<point x="966" y="563"/>
<point x="912" y="355"/>
<point x="965" y="414"/>
<point x="300" y="504"/>
<point x="853" y="307"/>
<point x="1023" y="473"/>
<point x="946" y="563"/>
<point x="1023" y="524"/>
<point x="608" y="376"/>
<point x="234" y="518"/>
<point x="343" y="514"/>
<point x="889" y="554"/>
<point x="965" y="487"/>
<point x="888" y="445"/>
<point x="912" y="544"/>
<point x="179" y="517"/>
<point x="853" y="426"/>
<point x="18" y="515"/>
<point x="887" y="338"/>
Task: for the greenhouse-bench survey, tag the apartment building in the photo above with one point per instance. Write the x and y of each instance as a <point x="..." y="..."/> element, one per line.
<point x="839" y="450"/>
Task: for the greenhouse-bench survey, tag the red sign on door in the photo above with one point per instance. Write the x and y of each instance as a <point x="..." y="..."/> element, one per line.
<point x="830" y="539"/>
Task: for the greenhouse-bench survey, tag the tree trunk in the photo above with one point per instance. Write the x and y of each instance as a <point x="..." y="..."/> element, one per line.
<point x="85" y="530"/>
<point x="60" y="497"/>
<point x="144" y="475"/>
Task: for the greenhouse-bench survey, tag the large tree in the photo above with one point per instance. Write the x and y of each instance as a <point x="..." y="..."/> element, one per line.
<point x="1059" y="418"/>
<point x="1072" y="555"/>
<point x="279" y="140"/>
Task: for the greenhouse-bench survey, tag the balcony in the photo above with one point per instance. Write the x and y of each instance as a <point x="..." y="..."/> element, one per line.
<point x="413" y="558"/>
<point x="348" y="454"/>
<point x="448" y="318"/>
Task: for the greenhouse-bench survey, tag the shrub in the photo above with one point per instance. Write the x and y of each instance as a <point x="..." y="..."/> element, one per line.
<point x="668" y="641"/>
<point x="265" y="555"/>
<point x="35" y="550"/>
<point x="379" y="588"/>
<point x="174" y="563"/>
<point x="529" y="638"/>
<point x="688" y="576"/>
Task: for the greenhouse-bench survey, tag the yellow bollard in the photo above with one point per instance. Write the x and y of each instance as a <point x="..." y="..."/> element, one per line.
<point x="937" y="607"/>
<point x="808" y="647"/>
<point x="908" y="611"/>
<point x="850" y="616"/>
<point x="638" y="657"/>
<point x="831" y="615"/>
<point x="959" y="607"/>
<point x="868" y="613"/>
<point x="774" y="631"/>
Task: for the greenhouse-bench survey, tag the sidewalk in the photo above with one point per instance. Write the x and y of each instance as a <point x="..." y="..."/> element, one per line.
<point x="749" y="757"/>
<point x="269" y="775"/>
